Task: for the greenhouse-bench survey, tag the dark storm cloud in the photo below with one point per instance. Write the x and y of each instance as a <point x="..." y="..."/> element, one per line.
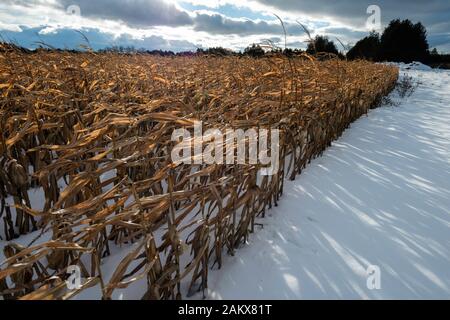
<point x="439" y="40"/>
<point x="219" y="24"/>
<point x="137" y="13"/>
<point x="149" y="13"/>
<point x="146" y="13"/>
<point x="355" y="12"/>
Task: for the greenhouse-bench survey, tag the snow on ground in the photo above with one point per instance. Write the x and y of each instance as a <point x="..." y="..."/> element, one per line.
<point x="379" y="196"/>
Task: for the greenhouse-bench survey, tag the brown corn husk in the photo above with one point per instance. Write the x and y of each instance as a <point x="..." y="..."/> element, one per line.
<point x="93" y="132"/>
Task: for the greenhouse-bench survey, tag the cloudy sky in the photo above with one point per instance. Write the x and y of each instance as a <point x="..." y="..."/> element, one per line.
<point x="180" y="25"/>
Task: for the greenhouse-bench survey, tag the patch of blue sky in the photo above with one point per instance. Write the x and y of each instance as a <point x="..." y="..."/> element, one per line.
<point x="32" y="38"/>
<point x="229" y="10"/>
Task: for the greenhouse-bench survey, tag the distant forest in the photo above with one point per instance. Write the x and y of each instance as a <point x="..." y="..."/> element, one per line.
<point x="401" y="41"/>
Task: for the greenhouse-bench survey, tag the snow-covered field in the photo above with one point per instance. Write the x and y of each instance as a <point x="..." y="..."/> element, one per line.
<point x="380" y="196"/>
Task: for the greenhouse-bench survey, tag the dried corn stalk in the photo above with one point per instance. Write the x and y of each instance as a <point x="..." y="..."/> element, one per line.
<point x="92" y="133"/>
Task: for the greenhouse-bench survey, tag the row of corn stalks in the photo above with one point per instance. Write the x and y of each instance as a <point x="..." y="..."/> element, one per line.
<point x="92" y="133"/>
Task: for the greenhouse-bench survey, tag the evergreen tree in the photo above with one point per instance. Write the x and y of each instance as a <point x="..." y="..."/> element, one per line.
<point x="367" y="48"/>
<point x="403" y="41"/>
<point x="322" y="44"/>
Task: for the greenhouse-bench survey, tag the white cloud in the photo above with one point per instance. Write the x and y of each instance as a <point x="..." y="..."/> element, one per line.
<point x="10" y="27"/>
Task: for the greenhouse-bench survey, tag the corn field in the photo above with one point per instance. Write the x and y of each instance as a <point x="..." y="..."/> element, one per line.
<point x="89" y="136"/>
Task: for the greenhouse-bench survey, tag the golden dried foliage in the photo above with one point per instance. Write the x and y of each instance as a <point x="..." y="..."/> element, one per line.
<point x="93" y="132"/>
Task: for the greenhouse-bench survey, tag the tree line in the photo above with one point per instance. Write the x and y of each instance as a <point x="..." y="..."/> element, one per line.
<point x="401" y="41"/>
